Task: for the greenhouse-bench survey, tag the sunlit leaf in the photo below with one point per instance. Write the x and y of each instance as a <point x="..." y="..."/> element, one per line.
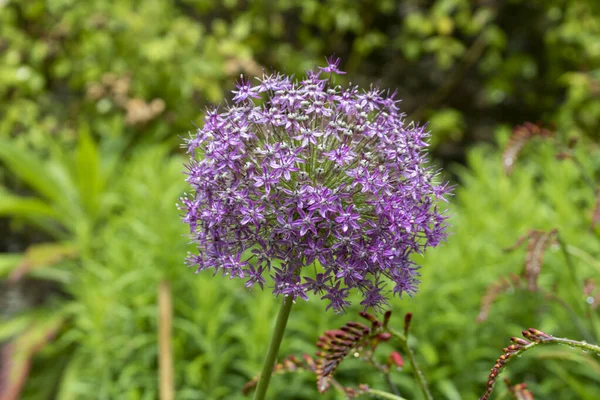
<point x="29" y="168"/>
<point x="596" y="213"/>
<point x="29" y="207"/>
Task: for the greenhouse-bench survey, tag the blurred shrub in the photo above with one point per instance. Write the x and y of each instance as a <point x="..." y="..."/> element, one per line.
<point x="146" y="69"/>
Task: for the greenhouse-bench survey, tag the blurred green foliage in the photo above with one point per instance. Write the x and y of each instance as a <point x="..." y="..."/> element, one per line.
<point x="95" y="95"/>
<point x="145" y="69"/>
<point x="107" y="347"/>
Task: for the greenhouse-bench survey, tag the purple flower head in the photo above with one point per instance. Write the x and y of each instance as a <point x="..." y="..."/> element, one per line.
<point x="325" y="189"/>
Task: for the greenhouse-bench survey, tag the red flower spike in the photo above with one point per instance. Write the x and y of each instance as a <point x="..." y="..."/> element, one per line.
<point x="355" y="330"/>
<point x="386" y="318"/>
<point x="536" y="335"/>
<point x="355" y="325"/>
<point x="368" y="316"/>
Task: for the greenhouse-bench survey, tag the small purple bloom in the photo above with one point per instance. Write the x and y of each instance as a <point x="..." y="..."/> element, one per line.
<point x="266" y="179"/>
<point x="317" y="250"/>
<point x="234" y="267"/>
<point x="325" y="189"/>
<point x="255" y="276"/>
<point x="342" y="155"/>
<point x="332" y="66"/>
<point x="308" y="135"/>
<point x="348" y="218"/>
<point x="252" y="213"/>
<point x="318" y="285"/>
<point x="244" y="91"/>
<point x="306" y="222"/>
<point x="373" y="298"/>
<point x="272" y="83"/>
<point x="337" y="298"/>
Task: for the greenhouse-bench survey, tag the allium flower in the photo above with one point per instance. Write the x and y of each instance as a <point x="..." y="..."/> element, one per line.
<point x="325" y="188"/>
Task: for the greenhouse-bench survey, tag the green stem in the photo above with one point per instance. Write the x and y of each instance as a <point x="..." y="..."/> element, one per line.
<point x="265" y="376"/>
<point x="583" y="171"/>
<point x="569" y="260"/>
<point x="419" y="376"/>
<point x="573" y="272"/>
<point x="384" y="395"/>
<point x="574" y="317"/>
<point x="386" y="373"/>
<point x="391" y="384"/>
<point x="576" y="282"/>
<point x="574" y="343"/>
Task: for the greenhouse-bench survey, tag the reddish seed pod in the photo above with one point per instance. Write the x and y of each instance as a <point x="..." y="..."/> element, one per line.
<point x="353" y="324"/>
<point x="396" y="359"/>
<point x="519" y="341"/>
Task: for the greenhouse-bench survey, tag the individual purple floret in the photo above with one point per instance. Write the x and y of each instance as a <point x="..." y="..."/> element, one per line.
<point x="332" y="66"/>
<point x="325" y="188"/>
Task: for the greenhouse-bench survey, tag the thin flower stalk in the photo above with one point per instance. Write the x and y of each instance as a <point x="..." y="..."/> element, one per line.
<point x="380" y="394"/>
<point x="418" y="374"/>
<point x="271" y="359"/>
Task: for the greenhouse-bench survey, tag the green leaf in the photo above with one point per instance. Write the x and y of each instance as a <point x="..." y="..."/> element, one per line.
<point x="87" y="173"/>
<point x="579" y="390"/>
<point x="29" y="168"/>
<point x="16" y="325"/>
<point x="69" y="388"/>
<point x="29" y="207"/>
<point x="8" y="262"/>
<point x="35" y="211"/>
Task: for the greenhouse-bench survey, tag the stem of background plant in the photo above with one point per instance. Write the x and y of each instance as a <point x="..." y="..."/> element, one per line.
<point x="390" y="383"/>
<point x="572" y="269"/>
<point x="419" y="376"/>
<point x="384" y="395"/>
<point x="578" y="288"/>
<point x="165" y="353"/>
<point x="570" y="264"/>
<point x="575" y="319"/>
<point x="265" y="376"/>
<point x="586" y="176"/>
<point x="586" y="347"/>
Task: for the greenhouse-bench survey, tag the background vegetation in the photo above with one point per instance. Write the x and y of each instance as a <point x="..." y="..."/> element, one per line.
<point x="95" y="95"/>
